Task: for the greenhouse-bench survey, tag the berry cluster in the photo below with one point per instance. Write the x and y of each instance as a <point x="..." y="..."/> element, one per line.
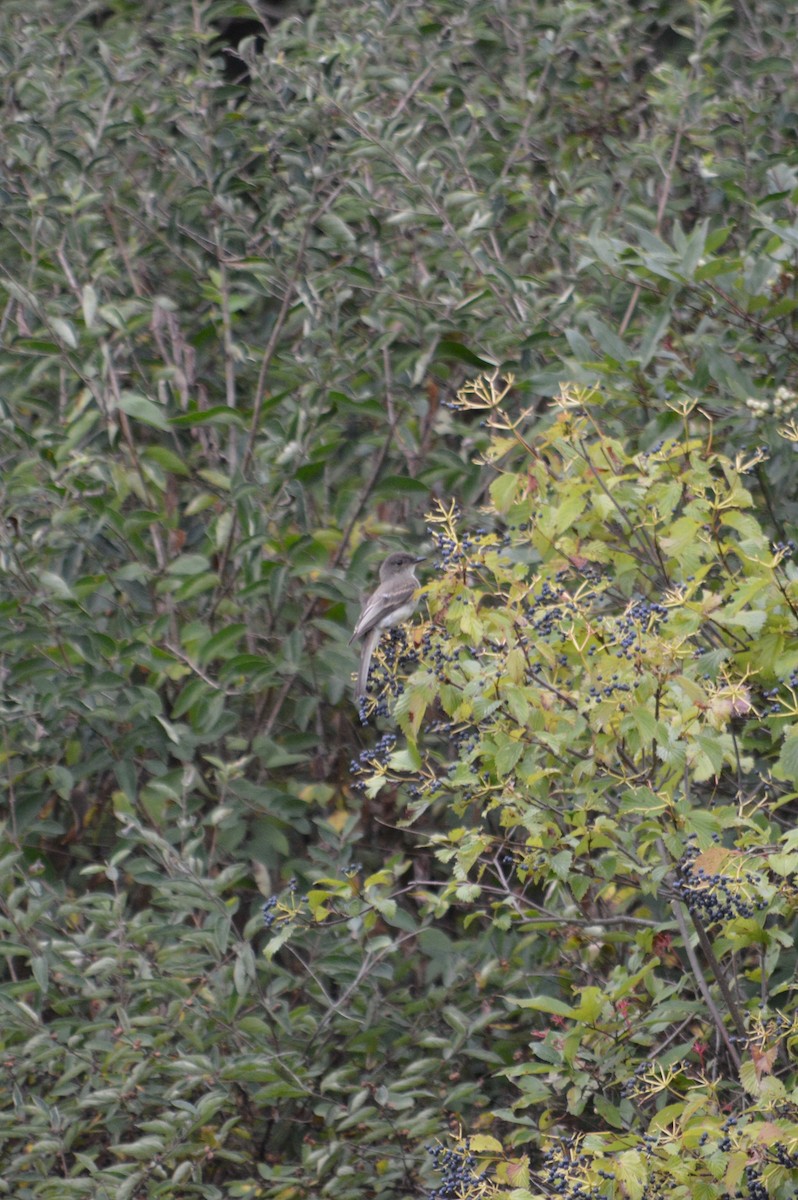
<point x="450" y="553"/>
<point x="462" y="738"/>
<point x="772" y="693"/>
<point x="753" y="1180"/>
<point x="563" y="1172"/>
<point x="656" y="448"/>
<point x="568" y="1172"/>
<point x="547" y="609"/>
<point x="275" y="910"/>
<point x="644" y="616"/>
<point x="590" y="573"/>
<point x="633" y="1088"/>
<point x="608" y="689"/>
<point x="433" y="645"/>
<point x="423" y="787"/>
<point x="713" y="896"/>
<point x="725" y="1145"/>
<point x="458" y="1169"/>
<point x="398" y="654"/>
<point x="269" y="911"/>
<point x="453" y="552"/>
<point x="780" y="1155"/>
<point x="372" y="758"/>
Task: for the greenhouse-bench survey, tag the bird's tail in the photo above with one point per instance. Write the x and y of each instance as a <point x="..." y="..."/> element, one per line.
<point x="366" y="651"/>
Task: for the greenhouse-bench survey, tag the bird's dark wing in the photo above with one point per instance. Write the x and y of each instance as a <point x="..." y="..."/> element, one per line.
<point x="381" y="604"/>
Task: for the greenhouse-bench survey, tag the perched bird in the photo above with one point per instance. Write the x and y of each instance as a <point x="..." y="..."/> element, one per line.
<point x="392" y="603"/>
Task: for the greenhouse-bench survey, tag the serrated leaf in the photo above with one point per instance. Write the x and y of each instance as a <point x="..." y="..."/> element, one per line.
<point x="507" y="757"/>
<point x="787" y="765"/>
<point x="632" y="1173"/>
<point x="503" y="492"/>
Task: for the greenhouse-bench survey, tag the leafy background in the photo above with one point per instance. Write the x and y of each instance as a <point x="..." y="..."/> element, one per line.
<point x="249" y="258"/>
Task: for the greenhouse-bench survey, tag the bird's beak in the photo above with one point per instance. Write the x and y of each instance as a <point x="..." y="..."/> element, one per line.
<point x="422" y="559"/>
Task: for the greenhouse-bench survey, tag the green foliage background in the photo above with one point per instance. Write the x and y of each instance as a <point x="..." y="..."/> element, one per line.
<point x="241" y="292"/>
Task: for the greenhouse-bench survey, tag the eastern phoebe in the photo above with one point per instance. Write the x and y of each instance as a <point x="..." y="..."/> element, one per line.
<point x="392" y="603"/>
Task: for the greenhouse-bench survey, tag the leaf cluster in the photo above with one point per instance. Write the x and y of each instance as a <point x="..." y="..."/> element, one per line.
<point x="602" y="721"/>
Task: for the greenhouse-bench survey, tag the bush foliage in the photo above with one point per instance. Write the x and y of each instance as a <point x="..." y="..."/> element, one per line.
<point x="284" y="289"/>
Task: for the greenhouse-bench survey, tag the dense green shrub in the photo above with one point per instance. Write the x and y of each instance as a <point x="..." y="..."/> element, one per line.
<point x="150" y="1048"/>
<point x="237" y="306"/>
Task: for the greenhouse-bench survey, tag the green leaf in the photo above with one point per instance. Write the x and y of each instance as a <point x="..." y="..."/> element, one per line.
<point x="89" y="305"/>
<point x="165" y="458"/>
<point x="546" y="1004"/>
<point x="609" y="341"/>
<point x="447" y="348"/>
<point x="65" y="330"/>
<point x="787" y="766"/>
<point x="507" y="757"/>
<point x="219" y="644"/>
<point x="55" y="584"/>
<point x="503" y="492"/>
<point x="219" y="414"/>
<point x="610" y="1113"/>
<point x="393" y="485"/>
<point x="142" y="409"/>
<point x="337" y="229"/>
<point x="632" y="1173"/>
<point x="188" y="564"/>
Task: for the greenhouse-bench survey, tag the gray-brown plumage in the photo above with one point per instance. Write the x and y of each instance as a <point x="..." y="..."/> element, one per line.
<point x="392" y="603"/>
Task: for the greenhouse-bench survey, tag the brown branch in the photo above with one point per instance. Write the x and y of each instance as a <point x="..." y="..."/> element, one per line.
<point x="717" y="971"/>
<point x="698" y="974"/>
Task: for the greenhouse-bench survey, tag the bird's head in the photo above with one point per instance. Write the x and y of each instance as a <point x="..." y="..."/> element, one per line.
<point x="399" y="563"/>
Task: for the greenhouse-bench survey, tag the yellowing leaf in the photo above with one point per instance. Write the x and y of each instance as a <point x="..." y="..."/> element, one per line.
<point x="483" y="1141"/>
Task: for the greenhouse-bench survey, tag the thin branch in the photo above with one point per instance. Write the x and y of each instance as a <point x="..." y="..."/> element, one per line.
<point x="277" y="328"/>
<point x="411" y="91"/>
<point x="698" y="974"/>
<point x="522" y="903"/>
<point x="717" y="971"/>
<point x="260" y="386"/>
